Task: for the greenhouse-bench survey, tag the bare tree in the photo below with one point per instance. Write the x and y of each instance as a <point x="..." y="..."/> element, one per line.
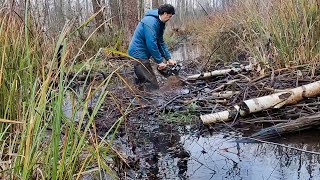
<point x="96" y="4"/>
<point x="115" y="13"/>
<point x="130" y="16"/>
<point x="141" y="8"/>
<point x="155" y="4"/>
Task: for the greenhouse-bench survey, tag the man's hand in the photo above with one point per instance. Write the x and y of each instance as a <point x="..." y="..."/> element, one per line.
<point x="171" y="62"/>
<point x="162" y="66"/>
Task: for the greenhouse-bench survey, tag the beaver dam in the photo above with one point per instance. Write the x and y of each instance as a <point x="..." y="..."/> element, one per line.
<point x="165" y="134"/>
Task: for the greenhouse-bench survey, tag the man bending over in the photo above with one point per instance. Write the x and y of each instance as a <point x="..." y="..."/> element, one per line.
<point x="147" y="42"/>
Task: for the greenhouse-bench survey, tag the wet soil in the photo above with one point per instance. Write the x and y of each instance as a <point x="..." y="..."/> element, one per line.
<point x="163" y="137"/>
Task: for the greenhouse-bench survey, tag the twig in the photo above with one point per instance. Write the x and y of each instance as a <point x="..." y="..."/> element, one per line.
<point x="179" y="96"/>
<point x="223" y="85"/>
<point x="282" y="145"/>
<point x="265" y="121"/>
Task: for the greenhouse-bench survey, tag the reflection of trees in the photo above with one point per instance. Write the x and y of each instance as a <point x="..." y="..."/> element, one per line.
<point x="302" y="164"/>
<point x="232" y="160"/>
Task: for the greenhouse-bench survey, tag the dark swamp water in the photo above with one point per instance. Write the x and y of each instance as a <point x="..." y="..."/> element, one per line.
<point x="157" y="147"/>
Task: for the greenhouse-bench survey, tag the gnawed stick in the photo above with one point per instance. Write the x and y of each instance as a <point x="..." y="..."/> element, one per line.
<point x="276" y="100"/>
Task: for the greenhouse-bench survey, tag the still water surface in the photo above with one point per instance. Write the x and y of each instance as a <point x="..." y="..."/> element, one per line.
<point x="216" y="156"/>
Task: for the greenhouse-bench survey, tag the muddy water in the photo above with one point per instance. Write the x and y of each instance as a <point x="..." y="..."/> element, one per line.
<point x="187" y="152"/>
<point x="186" y="51"/>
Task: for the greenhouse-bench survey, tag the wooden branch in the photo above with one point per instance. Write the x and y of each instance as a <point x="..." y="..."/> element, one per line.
<point x="219" y="72"/>
<point x="225" y="84"/>
<point x="276" y="100"/>
<point x="299" y="124"/>
<point x="225" y="94"/>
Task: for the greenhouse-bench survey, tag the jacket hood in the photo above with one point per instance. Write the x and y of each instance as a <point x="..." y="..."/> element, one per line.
<point x="153" y="13"/>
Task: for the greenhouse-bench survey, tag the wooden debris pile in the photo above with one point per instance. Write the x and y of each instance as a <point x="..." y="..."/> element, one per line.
<point x="286" y="96"/>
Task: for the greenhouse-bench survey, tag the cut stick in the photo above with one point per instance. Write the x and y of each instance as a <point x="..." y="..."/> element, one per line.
<point x="277" y="100"/>
<point x="219" y="72"/>
<point x="225" y="94"/>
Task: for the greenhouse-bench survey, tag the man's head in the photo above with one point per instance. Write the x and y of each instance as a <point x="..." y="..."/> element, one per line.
<point x="166" y="11"/>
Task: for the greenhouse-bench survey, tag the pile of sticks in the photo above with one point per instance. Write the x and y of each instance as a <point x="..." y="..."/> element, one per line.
<point x="287" y="98"/>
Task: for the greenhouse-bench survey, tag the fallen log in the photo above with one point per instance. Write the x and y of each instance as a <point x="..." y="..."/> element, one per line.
<point x="233" y="70"/>
<point x="277" y="100"/>
<point x="302" y="123"/>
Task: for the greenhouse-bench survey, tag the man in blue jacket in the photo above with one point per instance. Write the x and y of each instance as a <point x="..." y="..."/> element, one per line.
<point x="147" y="41"/>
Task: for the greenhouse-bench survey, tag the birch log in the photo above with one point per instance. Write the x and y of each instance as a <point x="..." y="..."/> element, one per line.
<point x="277" y="100"/>
<point x="220" y="72"/>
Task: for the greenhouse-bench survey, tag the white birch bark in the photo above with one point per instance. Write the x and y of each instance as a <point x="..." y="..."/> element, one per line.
<point x="277" y="100"/>
<point x="219" y="72"/>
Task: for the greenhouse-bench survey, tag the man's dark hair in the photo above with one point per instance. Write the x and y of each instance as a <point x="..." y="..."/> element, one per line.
<point x="166" y="8"/>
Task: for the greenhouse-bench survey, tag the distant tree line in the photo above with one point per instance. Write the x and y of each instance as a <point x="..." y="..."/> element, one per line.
<point x="115" y="15"/>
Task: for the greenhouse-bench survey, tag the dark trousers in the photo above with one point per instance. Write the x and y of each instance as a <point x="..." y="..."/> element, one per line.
<point x="145" y="74"/>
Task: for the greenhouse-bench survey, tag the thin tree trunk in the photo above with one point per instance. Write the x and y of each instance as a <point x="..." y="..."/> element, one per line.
<point x="46" y="19"/>
<point x="130" y="9"/>
<point x="115" y="11"/>
<point x="141" y="9"/>
<point x="155" y="4"/>
<point x="96" y="4"/>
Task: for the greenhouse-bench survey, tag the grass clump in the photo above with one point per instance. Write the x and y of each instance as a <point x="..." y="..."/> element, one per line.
<point x="182" y="117"/>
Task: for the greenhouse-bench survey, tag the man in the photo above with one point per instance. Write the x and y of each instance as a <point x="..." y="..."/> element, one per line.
<point x="147" y="41"/>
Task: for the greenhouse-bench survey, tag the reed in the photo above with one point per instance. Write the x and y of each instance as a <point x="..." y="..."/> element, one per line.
<point x="37" y="139"/>
<point x="277" y="33"/>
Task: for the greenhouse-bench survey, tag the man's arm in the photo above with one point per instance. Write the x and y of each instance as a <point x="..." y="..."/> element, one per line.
<point x="150" y="32"/>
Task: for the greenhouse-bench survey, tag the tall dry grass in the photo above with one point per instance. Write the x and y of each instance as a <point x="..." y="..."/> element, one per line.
<point x="37" y="139"/>
<point x="277" y="33"/>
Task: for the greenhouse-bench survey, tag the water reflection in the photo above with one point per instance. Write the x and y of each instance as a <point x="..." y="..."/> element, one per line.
<point x="171" y="159"/>
<point x="216" y="157"/>
<point x="185" y="51"/>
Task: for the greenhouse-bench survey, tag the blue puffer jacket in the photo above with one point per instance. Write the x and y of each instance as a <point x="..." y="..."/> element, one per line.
<point x="147" y="39"/>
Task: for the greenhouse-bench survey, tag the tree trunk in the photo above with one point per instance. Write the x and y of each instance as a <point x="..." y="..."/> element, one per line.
<point x="115" y="13"/>
<point x="59" y="15"/>
<point x="155" y="4"/>
<point x="141" y="9"/>
<point x="130" y="17"/>
<point x="96" y="5"/>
